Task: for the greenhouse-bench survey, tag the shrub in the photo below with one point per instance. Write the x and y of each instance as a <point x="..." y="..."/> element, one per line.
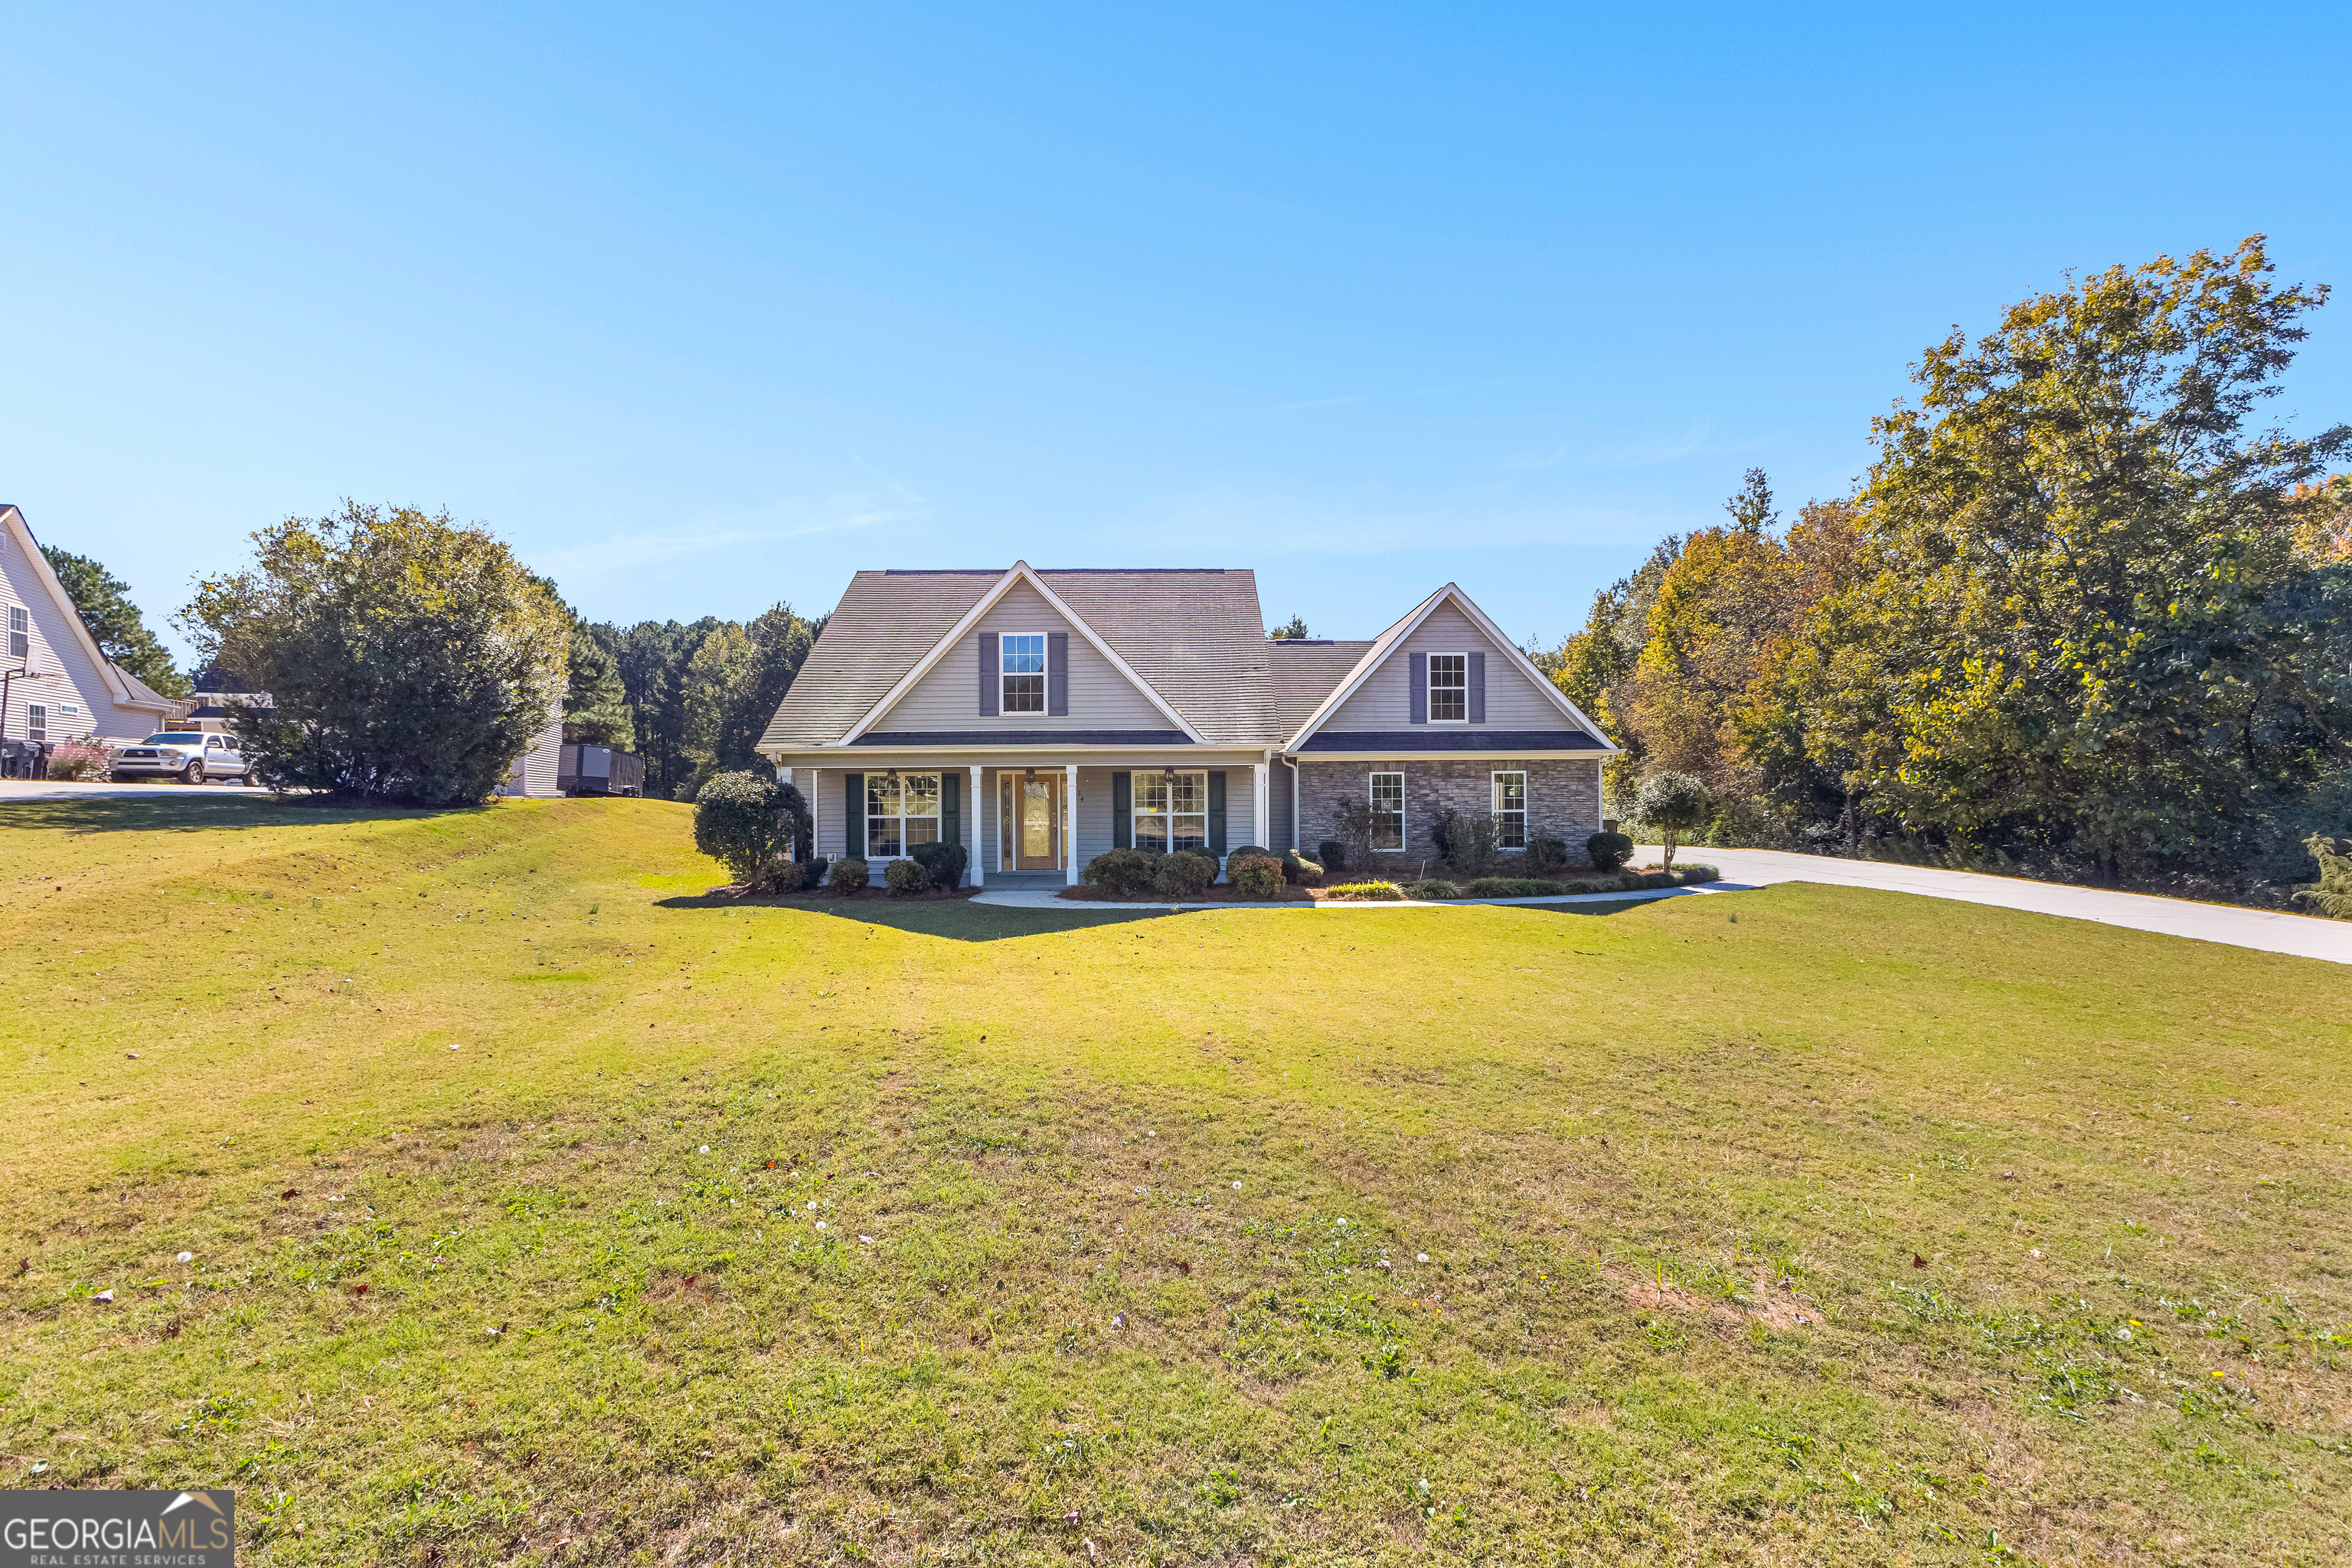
<point x="73" y="760"/>
<point x="1466" y="839"/>
<point x="1257" y="876"/>
<point x="781" y="876"/>
<point x="1125" y="872"/>
<point x="1351" y="827"/>
<point x="2332" y="894"/>
<point x="1182" y="875"/>
<point x="1238" y="850"/>
<point x="1546" y="853"/>
<point x="1691" y="874"/>
<point x="1673" y="804"/>
<point x="1303" y="872"/>
<point x="1608" y="850"/>
<point x="943" y="863"/>
<point x="746" y="822"/>
<point x="1511" y="887"/>
<point x="1433" y="888"/>
<point x="813" y="871"/>
<point x="904" y="877"/>
<point x="1332" y="856"/>
<point x="848" y="874"/>
<point x="1369" y="891"/>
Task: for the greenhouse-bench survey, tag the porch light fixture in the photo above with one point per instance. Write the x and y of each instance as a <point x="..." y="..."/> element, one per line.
<point x="1169" y="774"/>
<point x="1030" y="776"/>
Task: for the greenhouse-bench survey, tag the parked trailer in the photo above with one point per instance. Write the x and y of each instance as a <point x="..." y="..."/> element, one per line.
<point x="600" y="770"/>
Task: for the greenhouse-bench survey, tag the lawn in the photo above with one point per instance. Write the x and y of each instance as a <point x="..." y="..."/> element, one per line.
<point x="472" y="1190"/>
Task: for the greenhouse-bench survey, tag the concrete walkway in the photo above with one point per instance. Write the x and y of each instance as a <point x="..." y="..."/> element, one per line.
<point x="2305" y="936"/>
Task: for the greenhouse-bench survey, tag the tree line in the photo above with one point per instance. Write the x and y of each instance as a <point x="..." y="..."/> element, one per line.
<point x="692" y="699"/>
<point x="2083" y="615"/>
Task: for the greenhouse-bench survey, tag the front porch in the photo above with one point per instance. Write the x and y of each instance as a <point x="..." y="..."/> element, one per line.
<point x="1032" y="822"/>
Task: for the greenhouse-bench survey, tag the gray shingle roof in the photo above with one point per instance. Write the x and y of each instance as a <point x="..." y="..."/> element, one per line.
<point x="142" y="693"/>
<point x="1195" y="636"/>
<point x="1306" y="672"/>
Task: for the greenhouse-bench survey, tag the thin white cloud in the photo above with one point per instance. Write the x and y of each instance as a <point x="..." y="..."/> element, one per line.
<point x="733" y="529"/>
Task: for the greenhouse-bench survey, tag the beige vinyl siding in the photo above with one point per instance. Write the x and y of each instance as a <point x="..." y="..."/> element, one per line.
<point x="55" y="651"/>
<point x="1384" y="700"/>
<point x="541" y="764"/>
<point x="947" y="697"/>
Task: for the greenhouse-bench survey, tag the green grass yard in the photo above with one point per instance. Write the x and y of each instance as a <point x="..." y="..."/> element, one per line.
<point x="526" y="1195"/>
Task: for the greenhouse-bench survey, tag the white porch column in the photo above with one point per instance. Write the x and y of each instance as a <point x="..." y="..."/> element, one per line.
<point x="1261" y="823"/>
<point x="973" y="835"/>
<point x="1070" y="825"/>
<point x="1294" y="804"/>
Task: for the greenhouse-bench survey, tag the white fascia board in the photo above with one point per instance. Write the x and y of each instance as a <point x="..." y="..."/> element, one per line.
<point x="1020" y="572"/>
<point x="1379" y="653"/>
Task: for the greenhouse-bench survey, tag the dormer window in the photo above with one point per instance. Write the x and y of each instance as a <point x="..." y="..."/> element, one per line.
<point x="1024" y="674"/>
<point x="1449" y="689"/>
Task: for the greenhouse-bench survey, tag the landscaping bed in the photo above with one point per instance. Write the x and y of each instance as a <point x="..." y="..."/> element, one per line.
<point x="1215" y="894"/>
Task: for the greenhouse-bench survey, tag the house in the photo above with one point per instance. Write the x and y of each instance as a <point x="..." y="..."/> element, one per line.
<point x="54" y="684"/>
<point x="1042" y="718"/>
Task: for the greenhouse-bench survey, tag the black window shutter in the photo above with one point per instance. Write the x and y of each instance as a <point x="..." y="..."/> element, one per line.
<point x="951" y="818"/>
<point x="1122" y="811"/>
<point x="1418" y="714"/>
<point x="990" y="685"/>
<point x="1216" y="813"/>
<point x="1057" y="674"/>
<point x="853" y="833"/>
<point x="1478" y="703"/>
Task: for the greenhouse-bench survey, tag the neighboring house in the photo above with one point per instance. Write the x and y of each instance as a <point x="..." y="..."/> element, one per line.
<point x="1042" y="718"/>
<point x="59" y="685"/>
<point x="540" y="771"/>
<point x="216" y="711"/>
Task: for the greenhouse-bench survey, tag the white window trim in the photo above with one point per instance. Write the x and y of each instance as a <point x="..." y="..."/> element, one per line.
<point x="1136" y="814"/>
<point x="20" y="624"/>
<point x="1429" y="688"/>
<point x="1498" y="813"/>
<point x="1044" y="675"/>
<point x="870" y="858"/>
<point x="37" y="729"/>
<point x="1404" y="832"/>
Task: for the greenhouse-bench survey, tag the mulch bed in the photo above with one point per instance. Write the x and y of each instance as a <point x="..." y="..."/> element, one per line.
<point x="837" y="895"/>
<point x="1216" y="893"/>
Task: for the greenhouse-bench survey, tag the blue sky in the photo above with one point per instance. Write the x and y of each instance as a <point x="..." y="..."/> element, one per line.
<point x="706" y="311"/>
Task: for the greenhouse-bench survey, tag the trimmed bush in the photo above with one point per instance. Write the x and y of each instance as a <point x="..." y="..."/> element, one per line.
<point x="1511" y="887"/>
<point x="848" y="874"/>
<point x="1369" y="892"/>
<point x="1546" y="853"/>
<point x="1299" y="872"/>
<point x="1183" y="876"/>
<point x="1238" y="850"/>
<point x="1128" y="873"/>
<point x="1674" y="803"/>
<point x="1433" y="888"/>
<point x="1608" y="850"/>
<point x="781" y="876"/>
<point x="815" y="871"/>
<point x="904" y="876"/>
<point x="746" y="821"/>
<point x="943" y="863"/>
<point x="1332" y="856"/>
<point x="1257" y="876"/>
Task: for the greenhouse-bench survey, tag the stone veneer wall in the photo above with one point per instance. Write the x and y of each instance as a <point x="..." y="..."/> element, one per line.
<point x="1563" y="798"/>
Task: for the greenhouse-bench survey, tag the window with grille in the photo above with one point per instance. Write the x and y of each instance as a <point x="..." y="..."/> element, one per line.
<point x="1171" y="811"/>
<point x="1387" y="811"/>
<point x="1511" y="811"/>
<point x="20" y="638"/>
<point x="902" y="810"/>
<point x="1449" y="688"/>
<point x="36" y="722"/>
<point x="1024" y="674"/>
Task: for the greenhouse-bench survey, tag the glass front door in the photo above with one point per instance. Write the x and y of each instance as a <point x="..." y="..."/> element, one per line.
<point x="1031" y="821"/>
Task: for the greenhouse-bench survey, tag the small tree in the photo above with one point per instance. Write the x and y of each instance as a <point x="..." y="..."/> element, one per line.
<point x="749" y="823"/>
<point x="1673" y="804"/>
<point x="1351" y="825"/>
<point x="2332" y="894"/>
<point x="409" y="659"/>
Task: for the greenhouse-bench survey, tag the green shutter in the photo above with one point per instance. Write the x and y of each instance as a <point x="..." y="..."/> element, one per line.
<point x="1122" y="811"/>
<point x="853" y="822"/>
<point x="950" y="819"/>
<point x="1216" y="813"/>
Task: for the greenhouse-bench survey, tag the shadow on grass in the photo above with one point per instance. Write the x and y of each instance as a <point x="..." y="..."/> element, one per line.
<point x="954" y="919"/>
<point x="204" y="808"/>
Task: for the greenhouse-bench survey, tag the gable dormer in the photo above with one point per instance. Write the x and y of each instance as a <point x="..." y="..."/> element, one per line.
<point x="1445" y="668"/>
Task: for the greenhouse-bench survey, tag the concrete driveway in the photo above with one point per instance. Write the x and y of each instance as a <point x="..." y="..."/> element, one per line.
<point x="2305" y="936"/>
<point x="41" y="789"/>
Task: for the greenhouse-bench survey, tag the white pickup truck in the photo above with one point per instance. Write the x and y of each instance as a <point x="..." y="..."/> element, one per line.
<point x="184" y="754"/>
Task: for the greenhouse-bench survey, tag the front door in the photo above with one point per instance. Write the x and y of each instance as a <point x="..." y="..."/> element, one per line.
<point x="1033" y="819"/>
